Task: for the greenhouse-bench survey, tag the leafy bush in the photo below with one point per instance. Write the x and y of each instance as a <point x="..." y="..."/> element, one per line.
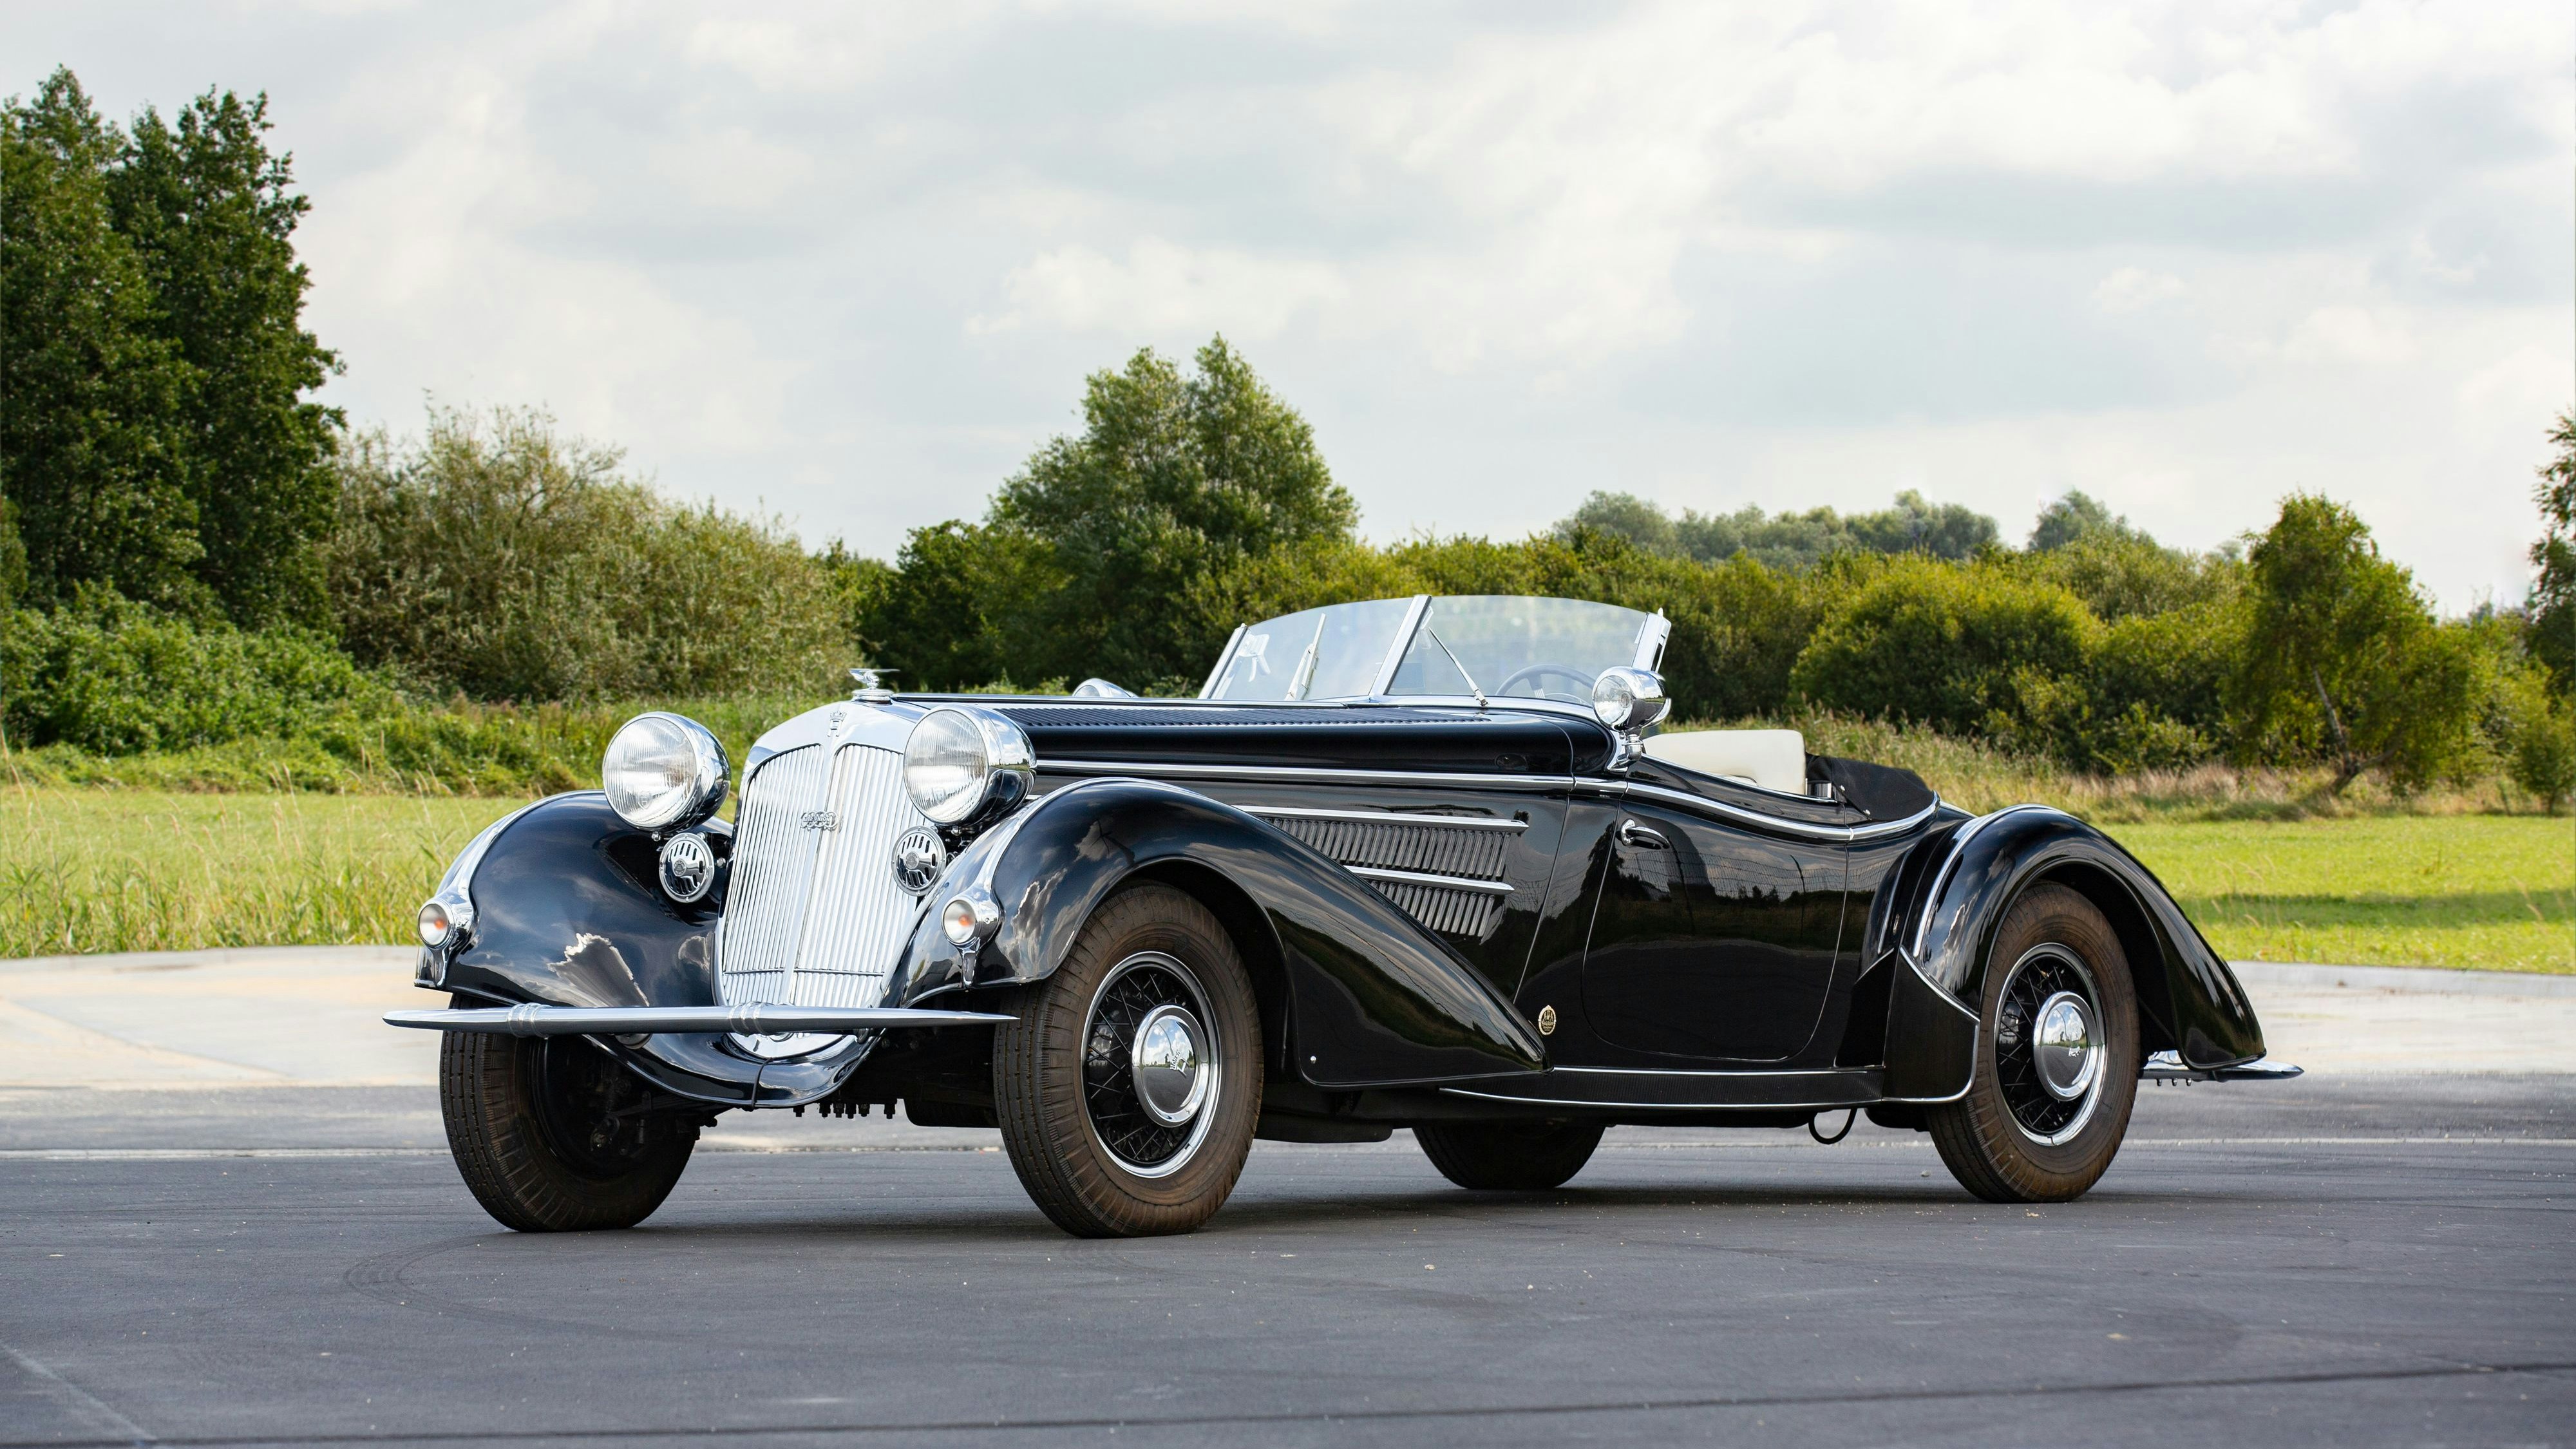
<point x="503" y="561"/>
<point x="111" y="676"/>
<point x="2538" y="737"/>
<point x="2342" y="662"/>
<point x="1965" y="650"/>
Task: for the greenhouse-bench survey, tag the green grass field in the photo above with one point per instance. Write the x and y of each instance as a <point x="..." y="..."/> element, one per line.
<point x="2491" y="891"/>
<point x="84" y="870"/>
<point x="146" y="870"/>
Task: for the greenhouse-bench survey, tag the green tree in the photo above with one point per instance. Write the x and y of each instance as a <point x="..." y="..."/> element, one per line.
<point x="2342" y="661"/>
<point x="1624" y="515"/>
<point x="503" y="560"/>
<point x="2075" y="515"/>
<point x="1173" y="478"/>
<point x="211" y="214"/>
<point x="1965" y="649"/>
<point x="95" y="452"/>
<point x="2553" y="594"/>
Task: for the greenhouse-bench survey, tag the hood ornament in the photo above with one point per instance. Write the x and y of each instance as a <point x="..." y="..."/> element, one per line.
<point x="871" y="681"/>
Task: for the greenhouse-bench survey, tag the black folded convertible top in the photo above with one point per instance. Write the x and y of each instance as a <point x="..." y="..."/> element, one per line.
<point x="1884" y="792"/>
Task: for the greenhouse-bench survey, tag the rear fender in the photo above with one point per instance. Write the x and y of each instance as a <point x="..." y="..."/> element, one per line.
<point x="2189" y="1001"/>
<point x="1373" y="998"/>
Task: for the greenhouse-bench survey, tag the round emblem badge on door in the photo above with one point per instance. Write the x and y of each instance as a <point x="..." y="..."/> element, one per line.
<point x="919" y="857"/>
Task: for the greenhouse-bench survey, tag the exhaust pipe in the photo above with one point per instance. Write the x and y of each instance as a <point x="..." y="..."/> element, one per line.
<point x="751" y="1019"/>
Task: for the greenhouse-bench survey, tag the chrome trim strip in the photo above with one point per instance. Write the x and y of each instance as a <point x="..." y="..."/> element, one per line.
<point x="1403" y="645"/>
<point x="1950" y="863"/>
<point x="1848" y="834"/>
<point x="1444" y="882"/>
<point x="1222" y="660"/>
<point x="1386" y="817"/>
<point x="1670" y="1106"/>
<point x="1683" y="1072"/>
<point x="1916" y="967"/>
<point x="1298" y="772"/>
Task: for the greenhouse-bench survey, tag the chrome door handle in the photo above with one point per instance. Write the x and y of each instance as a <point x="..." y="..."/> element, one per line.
<point x="1642" y="837"/>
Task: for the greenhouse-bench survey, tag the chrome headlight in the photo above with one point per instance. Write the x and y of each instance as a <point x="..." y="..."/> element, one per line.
<point x="963" y="765"/>
<point x="663" y="771"/>
<point x="1628" y="699"/>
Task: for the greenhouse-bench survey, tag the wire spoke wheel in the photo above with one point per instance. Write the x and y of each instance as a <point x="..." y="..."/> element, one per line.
<point x="2048" y="1046"/>
<point x="2056" y="1066"/>
<point x="1150" y="1071"/>
<point x="1128" y="1083"/>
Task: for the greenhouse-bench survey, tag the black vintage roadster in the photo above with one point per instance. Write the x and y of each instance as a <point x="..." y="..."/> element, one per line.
<point x="1418" y="863"/>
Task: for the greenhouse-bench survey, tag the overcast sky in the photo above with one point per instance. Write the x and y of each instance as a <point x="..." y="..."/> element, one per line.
<point x="850" y="263"/>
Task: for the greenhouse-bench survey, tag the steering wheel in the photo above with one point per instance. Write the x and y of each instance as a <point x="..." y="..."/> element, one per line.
<point x="1582" y="693"/>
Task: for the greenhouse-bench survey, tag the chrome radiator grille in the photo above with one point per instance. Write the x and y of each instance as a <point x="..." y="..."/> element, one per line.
<point x="814" y="915"/>
<point x="1444" y="871"/>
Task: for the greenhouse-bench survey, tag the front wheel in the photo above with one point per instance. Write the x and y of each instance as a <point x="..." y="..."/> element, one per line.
<point x="1128" y="1085"/>
<point x="1509" y="1156"/>
<point x="2057" y="1057"/>
<point x="550" y="1133"/>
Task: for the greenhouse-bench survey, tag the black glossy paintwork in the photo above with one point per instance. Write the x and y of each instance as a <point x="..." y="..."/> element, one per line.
<point x="1749" y="967"/>
<point x="1322" y="736"/>
<point x="1710" y="943"/>
<point x="1373" y="997"/>
<point x="2190" y="1001"/>
<point x="567" y="912"/>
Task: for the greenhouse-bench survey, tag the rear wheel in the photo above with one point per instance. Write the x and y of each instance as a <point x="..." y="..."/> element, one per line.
<point x="2057" y="1057"/>
<point x="550" y="1133"/>
<point x="1128" y="1086"/>
<point x="1509" y="1156"/>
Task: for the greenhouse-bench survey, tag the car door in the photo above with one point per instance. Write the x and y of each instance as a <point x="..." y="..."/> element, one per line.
<point x="1711" y="941"/>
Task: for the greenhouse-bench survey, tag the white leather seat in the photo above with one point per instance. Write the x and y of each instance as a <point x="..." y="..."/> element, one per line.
<point x="1771" y="759"/>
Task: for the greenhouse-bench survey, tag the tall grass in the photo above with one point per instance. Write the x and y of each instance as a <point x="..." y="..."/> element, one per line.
<point x="102" y="870"/>
<point x="1978" y="777"/>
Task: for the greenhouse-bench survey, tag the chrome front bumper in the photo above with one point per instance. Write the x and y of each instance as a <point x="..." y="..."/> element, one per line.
<point x="749" y="1019"/>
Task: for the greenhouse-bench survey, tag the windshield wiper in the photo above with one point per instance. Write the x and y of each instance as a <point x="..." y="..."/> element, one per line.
<point x="1453" y="659"/>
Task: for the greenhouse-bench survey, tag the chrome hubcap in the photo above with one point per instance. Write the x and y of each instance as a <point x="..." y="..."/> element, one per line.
<point x="1150" y="1066"/>
<point x="2049" y="1046"/>
<point x="2063" y="1046"/>
<point x="1170" y="1067"/>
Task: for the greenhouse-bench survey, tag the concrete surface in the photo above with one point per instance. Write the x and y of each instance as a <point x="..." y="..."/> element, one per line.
<point x="314" y="1015"/>
<point x="2347" y="1288"/>
<point x="227" y="1217"/>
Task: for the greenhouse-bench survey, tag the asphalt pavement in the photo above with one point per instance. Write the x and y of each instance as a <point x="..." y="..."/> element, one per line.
<point x="2371" y="1254"/>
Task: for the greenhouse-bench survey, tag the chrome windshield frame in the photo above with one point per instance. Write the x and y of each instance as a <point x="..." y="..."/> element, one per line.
<point x="1652" y="635"/>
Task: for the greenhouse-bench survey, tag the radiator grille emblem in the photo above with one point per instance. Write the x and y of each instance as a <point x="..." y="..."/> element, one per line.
<point x="819" y="820"/>
<point x="919" y="856"/>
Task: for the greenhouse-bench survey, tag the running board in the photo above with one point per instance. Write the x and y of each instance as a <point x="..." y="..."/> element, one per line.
<point x="2168" y="1067"/>
<point x="757" y="1019"/>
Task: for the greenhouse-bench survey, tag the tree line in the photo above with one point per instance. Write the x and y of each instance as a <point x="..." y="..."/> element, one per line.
<point x="193" y="550"/>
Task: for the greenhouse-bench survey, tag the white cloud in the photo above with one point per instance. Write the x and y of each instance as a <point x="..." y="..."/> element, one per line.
<point x="853" y="260"/>
<point x="2134" y="289"/>
<point x="1162" y="289"/>
<point x="2348" y="333"/>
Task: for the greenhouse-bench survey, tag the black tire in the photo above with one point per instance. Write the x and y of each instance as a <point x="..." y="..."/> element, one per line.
<point x="2014" y="1137"/>
<point x="1510" y="1156"/>
<point x="1066" y="1089"/>
<point x="543" y="1132"/>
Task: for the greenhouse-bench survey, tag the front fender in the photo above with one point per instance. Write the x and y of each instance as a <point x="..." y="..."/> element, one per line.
<point x="1374" y="999"/>
<point x="2188" y="999"/>
<point x="567" y="913"/>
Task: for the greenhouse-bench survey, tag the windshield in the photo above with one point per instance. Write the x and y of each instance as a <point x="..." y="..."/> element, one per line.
<point x="1336" y="652"/>
<point x="1504" y="646"/>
